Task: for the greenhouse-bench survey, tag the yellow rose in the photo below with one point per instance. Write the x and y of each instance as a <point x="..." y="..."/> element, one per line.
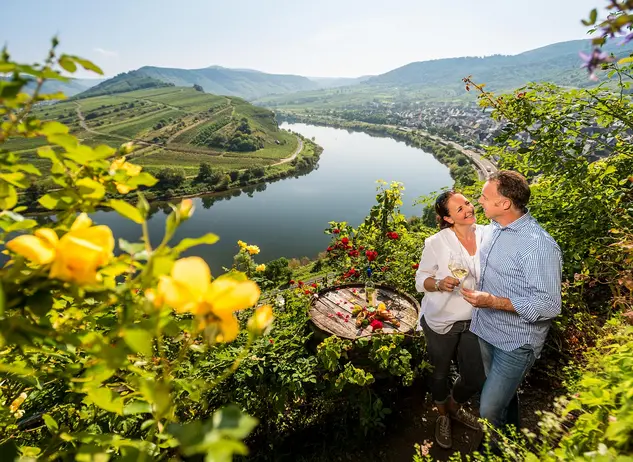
<point x="130" y="170"/>
<point x="260" y="268"/>
<point x="252" y="249"/>
<point x="75" y="257"/>
<point x="81" y="251"/>
<point x="186" y="209"/>
<point x="188" y="289"/>
<point x="261" y="319"/>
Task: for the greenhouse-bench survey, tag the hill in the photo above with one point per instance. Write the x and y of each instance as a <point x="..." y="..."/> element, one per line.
<point x="440" y="79"/>
<point x="122" y="83"/>
<point x="244" y="83"/>
<point x="174" y="127"/>
<point x="558" y="63"/>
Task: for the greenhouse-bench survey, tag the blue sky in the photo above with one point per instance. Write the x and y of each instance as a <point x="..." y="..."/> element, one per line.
<point x="334" y="38"/>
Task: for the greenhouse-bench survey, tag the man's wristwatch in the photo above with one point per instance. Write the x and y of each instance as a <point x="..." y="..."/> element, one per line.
<point x="437" y="285"/>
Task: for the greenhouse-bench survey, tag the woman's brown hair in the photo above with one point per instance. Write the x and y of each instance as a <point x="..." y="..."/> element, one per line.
<point x="441" y="208"/>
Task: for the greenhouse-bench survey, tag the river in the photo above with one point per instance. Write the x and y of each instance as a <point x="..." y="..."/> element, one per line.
<point x="287" y="217"/>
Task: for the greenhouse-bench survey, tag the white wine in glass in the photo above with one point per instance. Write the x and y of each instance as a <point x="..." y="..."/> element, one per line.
<point x="457" y="267"/>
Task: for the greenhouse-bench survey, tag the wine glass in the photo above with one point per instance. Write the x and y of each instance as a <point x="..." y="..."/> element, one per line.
<point x="458" y="267"/>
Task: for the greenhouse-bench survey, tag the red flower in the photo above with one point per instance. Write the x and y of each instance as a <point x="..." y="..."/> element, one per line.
<point x="345" y="240"/>
<point x="307" y="292"/>
<point x="520" y="95"/>
<point x="329" y="249"/>
<point x="375" y="325"/>
<point x="415" y="266"/>
<point x="313" y="285"/>
<point x="361" y="248"/>
<point x="353" y="253"/>
<point x="336" y="231"/>
<point x="271" y="340"/>
<point x="292" y="281"/>
<point x="371" y="255"/>
<point x="300" y="283"/>
<point x="392" y="235"/>
<point x="383" y="269"/>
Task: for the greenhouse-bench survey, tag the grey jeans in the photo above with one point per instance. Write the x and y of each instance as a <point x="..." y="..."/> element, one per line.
<point x="459" y="343"/>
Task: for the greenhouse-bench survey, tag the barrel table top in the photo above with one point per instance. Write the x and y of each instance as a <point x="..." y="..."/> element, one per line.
<point x="331" y="310"/>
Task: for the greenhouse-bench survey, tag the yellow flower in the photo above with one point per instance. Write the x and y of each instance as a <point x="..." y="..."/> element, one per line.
<point x="252" y="249"/>
<point x="38" y="247"/>
<point x="75" y="257"/>
<point x="130" y="170"/>
<point x="242" y="244"/>
<point x="17" y="402"/>
<point x="261" y="319"/>
<point x="260" y="268"/>
<point x="186" y="209"/>
<point x="188" y="289"/>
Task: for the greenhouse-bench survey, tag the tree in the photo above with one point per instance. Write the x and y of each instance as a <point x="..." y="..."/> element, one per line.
<point x="198" y="87"/>
<point x="170" y="177"/>
<point x="205" y="173"/>
<point x="278" y="271"/>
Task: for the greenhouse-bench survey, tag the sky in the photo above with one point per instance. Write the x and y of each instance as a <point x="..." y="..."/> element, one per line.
<point x="324" y="38"/>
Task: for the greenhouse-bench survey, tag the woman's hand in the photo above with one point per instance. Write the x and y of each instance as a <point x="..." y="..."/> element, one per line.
<point x="448" y="284"/>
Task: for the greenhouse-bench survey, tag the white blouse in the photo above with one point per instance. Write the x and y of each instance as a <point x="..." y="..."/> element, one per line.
<point x="442" y="309"/>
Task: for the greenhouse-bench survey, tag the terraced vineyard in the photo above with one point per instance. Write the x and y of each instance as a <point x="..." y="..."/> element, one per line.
<point x="174" y="127"/>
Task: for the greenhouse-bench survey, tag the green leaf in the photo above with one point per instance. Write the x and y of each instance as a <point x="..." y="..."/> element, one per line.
<point x="626" y="60"/>
<point x="130" y="247"/>
<point x="51" y="424"/>
<point x="16" y="179"/>
<point x="2" y="300"/>
<point x="66" y="141"/>
<point x="137" y="407"/>
<point x="91" y="189"/>
<point x="53" y="128"/>
<point x="28" y="168"/>
<point x="128" y="211"/>
<point x="8" y="196"/>
<point x="105" y="399"/>
<point x="46" y="152"/>
<point x="162" y="264"/>
<point x="48" y="201"/>
<point x="67" y="64"/>
<point x="189" y="242"/>
<point x="139" y="341"/>
<point x="142" y="179"/>
<point x="88" y="65"/>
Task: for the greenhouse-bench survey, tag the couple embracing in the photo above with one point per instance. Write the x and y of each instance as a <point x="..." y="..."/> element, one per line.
<point x="490" y="295"/>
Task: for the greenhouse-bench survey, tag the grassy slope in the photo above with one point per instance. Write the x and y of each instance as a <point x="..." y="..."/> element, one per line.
<point x="170" y="118"/>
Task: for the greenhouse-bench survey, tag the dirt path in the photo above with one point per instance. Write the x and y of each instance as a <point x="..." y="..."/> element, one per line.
<point x="293" y="156"/>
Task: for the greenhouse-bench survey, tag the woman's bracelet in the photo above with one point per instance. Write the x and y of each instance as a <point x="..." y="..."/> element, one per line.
<point x="437" y="285"/>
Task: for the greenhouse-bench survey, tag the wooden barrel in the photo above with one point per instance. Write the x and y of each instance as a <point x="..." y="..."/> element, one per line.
<point x="331" y="310"/>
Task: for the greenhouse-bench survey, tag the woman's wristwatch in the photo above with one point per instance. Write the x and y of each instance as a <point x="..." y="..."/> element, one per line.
<point x="437" y="285"/>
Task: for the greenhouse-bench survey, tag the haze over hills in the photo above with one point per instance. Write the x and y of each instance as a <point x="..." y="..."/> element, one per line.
<point x="440" y="79"/>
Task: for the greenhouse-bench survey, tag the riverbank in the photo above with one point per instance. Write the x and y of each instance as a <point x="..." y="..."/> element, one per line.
<point x="464" y="169"/>
<point x="302" y="162"/>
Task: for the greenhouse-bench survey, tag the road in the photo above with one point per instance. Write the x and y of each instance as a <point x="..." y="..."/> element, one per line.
<point x="484" y="166"/>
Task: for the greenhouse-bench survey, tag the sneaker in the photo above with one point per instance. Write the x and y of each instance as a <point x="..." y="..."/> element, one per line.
<point x="466" y="418"/>
<point x="443" y="432"/>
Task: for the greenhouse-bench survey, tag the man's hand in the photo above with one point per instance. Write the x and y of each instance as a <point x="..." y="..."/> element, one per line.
<point x="478" y="299"/>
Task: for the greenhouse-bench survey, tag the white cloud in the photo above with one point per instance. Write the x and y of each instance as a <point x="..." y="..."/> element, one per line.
<point x="107" y="53"/>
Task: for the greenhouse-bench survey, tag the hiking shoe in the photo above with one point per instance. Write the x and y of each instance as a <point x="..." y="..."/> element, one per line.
<point x="443" y="432"/>
<point x="466" y="418"/>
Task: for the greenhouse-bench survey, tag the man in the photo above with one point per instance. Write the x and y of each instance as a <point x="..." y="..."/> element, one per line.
<point x="519" y="294"/>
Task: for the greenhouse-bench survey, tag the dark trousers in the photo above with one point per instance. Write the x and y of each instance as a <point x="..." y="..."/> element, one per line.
<point x="460" y="343"/>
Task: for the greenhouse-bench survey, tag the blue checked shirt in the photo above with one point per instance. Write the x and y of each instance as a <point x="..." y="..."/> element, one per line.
<point x="521" y="262"/>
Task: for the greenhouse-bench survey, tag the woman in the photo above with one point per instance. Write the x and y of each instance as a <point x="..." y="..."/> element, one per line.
<point x="445" y="315"/>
